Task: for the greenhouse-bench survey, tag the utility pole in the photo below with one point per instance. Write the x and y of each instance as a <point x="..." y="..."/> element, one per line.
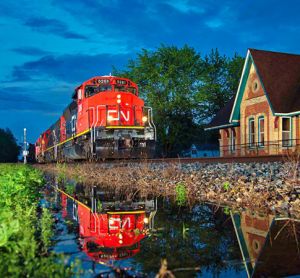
<point x="25" y="152"/>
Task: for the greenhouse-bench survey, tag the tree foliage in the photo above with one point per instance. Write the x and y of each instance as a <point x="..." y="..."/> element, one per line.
<point x="9" y="149"/>
<point x="184" y="90"/>
<point x="219" y="83"/>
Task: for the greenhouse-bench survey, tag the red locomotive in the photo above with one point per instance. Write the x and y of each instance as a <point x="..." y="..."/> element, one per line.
<point x="109" y="232"/>
<point x="106" y="119"/>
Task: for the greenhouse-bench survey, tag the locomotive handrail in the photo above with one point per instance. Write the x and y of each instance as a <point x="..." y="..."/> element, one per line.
<point x="97" y="113"/>
<point x="91" y="127"/>
<point x="150" y="117"/>
<point x="95" y="225"/>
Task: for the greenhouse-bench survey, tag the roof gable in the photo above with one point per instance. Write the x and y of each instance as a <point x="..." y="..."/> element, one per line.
<point x="280" y="76"/>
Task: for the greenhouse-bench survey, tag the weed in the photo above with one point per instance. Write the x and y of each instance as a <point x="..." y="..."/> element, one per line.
<point x="46" y="224"/>
<point x="226" y="211"/>
<point x="99" y="207"/>
<point x="226" y="185"/>
<point x="181" y="194"/>
<point x="70" y="188"/>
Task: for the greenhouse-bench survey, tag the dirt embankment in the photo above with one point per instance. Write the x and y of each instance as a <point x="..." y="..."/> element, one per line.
<point x="271" y="187"/>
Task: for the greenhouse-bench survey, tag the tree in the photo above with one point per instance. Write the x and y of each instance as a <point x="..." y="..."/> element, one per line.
<point x="185" y="92"/>
<point x="168" y="81"/>
<point x="9" y="149"/>
<point x="220" y="82"/>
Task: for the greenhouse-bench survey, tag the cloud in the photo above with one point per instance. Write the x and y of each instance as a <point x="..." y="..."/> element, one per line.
<point x="69" y="68"/>
<point x="185" y="6"/>
<point x="16" y="98"/>
<point x="52" y="26"/>
<point x="30" y="51"/>
<point x="214" y="23"/>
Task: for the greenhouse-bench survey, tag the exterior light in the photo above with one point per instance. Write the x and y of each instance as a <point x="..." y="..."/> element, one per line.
<point x="109" y="118"/>
<point x="146" y="220"/>
<point x="118" y="101"/>
<point x="120" y="236"/>
<point x="120" y="241"/>
<point x="144" y="119"/>
<point x="119" y="96"/>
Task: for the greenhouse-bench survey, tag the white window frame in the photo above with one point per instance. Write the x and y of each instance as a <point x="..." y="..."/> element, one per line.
<point x="289" y="142"/>
<point x="261" y="143"/>
<point x="251" y="135"/>
<point x="232" y="137"/>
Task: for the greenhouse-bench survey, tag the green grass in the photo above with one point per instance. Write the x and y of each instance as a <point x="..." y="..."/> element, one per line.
<point x="25" y="233"/>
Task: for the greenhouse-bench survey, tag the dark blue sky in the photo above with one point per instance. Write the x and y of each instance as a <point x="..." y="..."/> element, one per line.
<point x="49" y="47"/>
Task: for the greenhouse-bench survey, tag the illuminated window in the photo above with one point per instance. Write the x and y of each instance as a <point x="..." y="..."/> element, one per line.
<point x="286" y="132"/>
<point x="261" y="131"/>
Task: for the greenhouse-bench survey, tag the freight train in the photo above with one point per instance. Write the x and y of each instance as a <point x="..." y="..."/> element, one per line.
<point x="106" y="119"/>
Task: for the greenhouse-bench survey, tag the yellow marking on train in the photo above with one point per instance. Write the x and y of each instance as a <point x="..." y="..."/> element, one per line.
<point x="124" y="127"/>
<point x="69" y="139"/>
<point x="88" y="130"/>
<point x="126" y="212"/>
<point x="69" y="196"/>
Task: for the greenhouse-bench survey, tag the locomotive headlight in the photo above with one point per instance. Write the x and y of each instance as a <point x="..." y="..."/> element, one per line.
<point x="146" y="220"/>
<point x="119" y="96"/>
<point x="118" y="101"/>
<point x="144" y="119"/>
<point x="109" y="118"/>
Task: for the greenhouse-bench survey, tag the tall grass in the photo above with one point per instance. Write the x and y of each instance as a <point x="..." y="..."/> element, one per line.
<point x="25" y="232"/>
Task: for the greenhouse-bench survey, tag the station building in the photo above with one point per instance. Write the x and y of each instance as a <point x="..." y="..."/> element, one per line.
<point x="263" y="118"/>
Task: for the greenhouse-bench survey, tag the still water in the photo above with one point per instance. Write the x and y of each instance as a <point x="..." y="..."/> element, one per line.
<point x="127" y="236"/>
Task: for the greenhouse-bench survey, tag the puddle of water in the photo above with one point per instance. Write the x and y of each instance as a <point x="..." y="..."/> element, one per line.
<point x="113" y="236"/>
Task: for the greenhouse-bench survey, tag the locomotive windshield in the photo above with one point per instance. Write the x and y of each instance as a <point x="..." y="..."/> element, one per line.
<point x="125" y="89"/>
<point x="91" y="90"/>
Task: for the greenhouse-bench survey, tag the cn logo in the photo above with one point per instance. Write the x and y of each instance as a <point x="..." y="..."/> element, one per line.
<point x="113" y="115"/>
<point x="116" y="223"/>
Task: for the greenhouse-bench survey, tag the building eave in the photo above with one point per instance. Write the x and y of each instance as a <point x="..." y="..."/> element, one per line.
<point x="221" y="126"/>
<point x="287" y="114"/>
<point x="240" y="85"/>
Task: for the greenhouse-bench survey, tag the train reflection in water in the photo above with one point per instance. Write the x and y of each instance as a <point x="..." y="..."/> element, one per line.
<point x="108" y="230"/>
<point x="269" y="245"/>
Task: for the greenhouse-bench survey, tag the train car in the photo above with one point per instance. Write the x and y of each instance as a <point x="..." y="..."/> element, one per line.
<point x="106" y="119"/>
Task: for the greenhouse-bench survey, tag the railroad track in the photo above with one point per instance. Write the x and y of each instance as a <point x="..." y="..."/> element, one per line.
<point x="206" y="160"/>
<point x="244" y="159"/>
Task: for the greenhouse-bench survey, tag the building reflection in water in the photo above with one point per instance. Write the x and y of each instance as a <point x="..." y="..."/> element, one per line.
<point x="108" y="229"/>
<point x="270" y="245"/>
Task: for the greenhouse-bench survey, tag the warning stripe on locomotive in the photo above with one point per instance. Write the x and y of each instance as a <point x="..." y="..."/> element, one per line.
<point x="71" y="138"/>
